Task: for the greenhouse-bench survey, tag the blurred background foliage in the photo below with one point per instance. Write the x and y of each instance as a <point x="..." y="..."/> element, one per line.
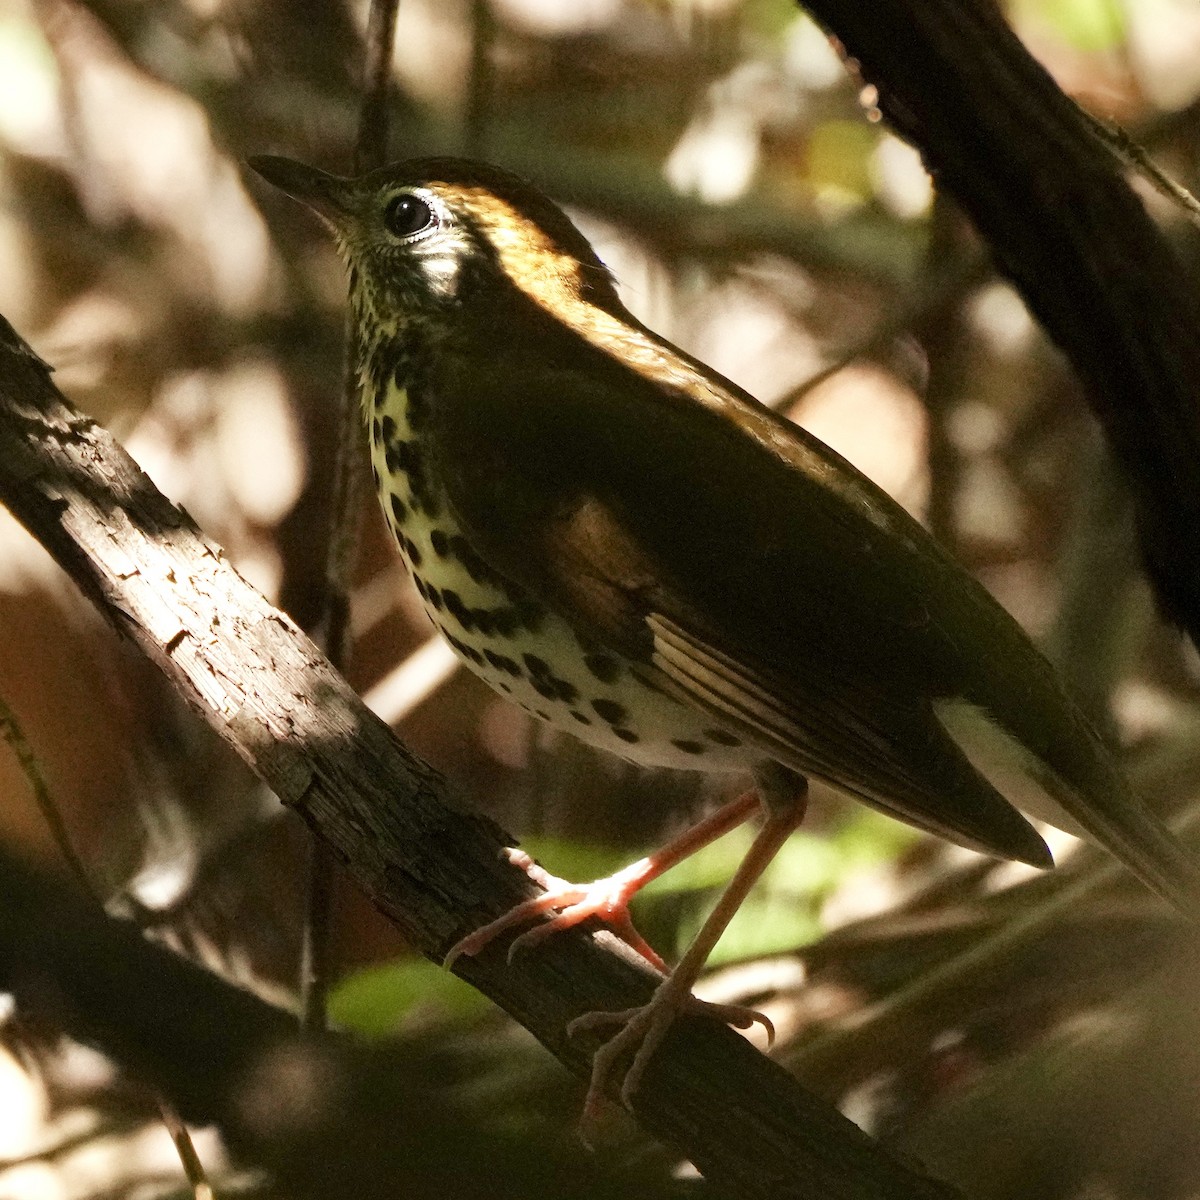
<point x="1026" y="1036"/>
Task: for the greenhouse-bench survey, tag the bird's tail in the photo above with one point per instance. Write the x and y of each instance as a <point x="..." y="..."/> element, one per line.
<point x="1050" y="762"/>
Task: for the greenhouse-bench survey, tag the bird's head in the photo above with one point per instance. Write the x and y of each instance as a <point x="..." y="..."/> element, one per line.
<point x="426" y="237"/>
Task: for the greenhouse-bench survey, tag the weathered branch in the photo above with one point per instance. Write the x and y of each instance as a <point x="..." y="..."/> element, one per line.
<point x="435" y="870"/>
<point x="1049" y="197"/>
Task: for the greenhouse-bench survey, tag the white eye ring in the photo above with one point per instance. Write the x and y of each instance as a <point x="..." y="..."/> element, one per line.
<point x="409" y="216"/>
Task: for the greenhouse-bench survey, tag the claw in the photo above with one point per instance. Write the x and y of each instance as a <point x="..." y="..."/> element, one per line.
<point x="643" y="1030"/>
<point x="571" y="903"/>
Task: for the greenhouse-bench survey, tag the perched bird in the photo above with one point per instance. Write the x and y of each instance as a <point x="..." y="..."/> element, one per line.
<point x="638" y="552"/>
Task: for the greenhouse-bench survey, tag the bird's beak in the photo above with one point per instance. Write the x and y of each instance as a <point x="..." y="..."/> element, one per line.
<point x="329" y="196"/>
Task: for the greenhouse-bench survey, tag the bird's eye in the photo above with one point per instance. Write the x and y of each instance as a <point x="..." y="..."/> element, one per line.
<point x="407" y="215"/>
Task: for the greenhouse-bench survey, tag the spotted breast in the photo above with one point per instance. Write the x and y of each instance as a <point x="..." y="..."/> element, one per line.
<point x="527" y="653"/>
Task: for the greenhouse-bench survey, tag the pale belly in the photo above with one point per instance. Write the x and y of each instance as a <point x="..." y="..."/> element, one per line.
<point x="528" y="654"/>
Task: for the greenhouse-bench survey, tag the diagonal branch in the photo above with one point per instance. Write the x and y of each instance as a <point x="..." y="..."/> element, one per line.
<point x="435" y="870"/>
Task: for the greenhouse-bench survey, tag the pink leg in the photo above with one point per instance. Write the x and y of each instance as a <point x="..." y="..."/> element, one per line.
<point x="644" y="1028"/>
<point x="608" y="898"/>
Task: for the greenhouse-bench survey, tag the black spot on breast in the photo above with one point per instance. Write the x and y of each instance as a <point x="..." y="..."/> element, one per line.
<point x="435" y="597"/>
<point x="375" y="476"/>
<point x="419" y="482"/>
<point x="722" y="737"/>
<point x="388" y="430"/>
<point x="504" y="621"/>
<point x="541" y="712"/>
<point x="399" y="510"/>
<point x="412" y="550"/>
<point x="468" y="652"/>
<point x="530" y="615"/>
<point x="421" y="588"/>
<point x="457" y="609"/>
<point x="440" y="542"/>
<point x="688" y="746"/>
<point x="552" y="686"/>
<point x="582" y="718"/>
<point x="502" y="662"/>
<point x="401" y="456"/>
<point x="475" y="567"/>
<point x="376" y="431"/>
<point x="610" y="711"/>
<point x="603" y="666"/>
<point x="626" y="735"/>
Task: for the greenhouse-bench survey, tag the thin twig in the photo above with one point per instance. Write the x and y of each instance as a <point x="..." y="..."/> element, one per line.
<point x="186" y="1149"/>
<point x="941" y="335"/>
<point x="1127" y="150"/>
<point x="346" y="512"/>
<point x="1089" y="640"/>
<point x="480" y="80"/>
<point x="14" y="735"/>
<point x="919" y="1007"/>
<point x="939" y="290"/>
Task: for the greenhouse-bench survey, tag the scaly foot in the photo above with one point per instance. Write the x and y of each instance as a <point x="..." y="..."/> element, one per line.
<point x="642" y="1032"/>
<point x="608" y="899"/>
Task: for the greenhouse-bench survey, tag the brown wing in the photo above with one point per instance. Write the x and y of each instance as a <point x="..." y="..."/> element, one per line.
<point x="544" y="497"/>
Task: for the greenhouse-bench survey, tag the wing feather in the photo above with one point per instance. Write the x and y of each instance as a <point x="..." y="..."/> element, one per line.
<point x="922" y="779"/>
<point x="792" y="597"/>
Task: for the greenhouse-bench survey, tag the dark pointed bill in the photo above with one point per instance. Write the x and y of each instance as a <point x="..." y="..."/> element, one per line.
<point x="329" y="196"/>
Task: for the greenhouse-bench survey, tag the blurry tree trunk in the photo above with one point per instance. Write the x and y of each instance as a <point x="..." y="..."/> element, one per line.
<point x="1048" y="196"/>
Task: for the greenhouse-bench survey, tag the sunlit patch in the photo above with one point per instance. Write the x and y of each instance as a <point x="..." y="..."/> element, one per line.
<point x="413" y="681"/>
<point x="809" y="56"/>
<point x="29" y="114"/>
<point x="23" y="1107"/>
<point x="150" y="152"/>
<point x="163" y="884"/>
<point x="716" y="157"/>
<point x="553" y="18"/>
<point x="866" y="414"/>
<point x="999" y="315"/>
<point x="900" y="178"/>
<point x="258" y="441"/>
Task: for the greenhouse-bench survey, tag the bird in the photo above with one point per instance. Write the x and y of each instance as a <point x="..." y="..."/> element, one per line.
<point x="637" y="551"/>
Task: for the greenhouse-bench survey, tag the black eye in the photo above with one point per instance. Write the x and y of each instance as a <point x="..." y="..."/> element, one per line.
<point x="407" y="215"/>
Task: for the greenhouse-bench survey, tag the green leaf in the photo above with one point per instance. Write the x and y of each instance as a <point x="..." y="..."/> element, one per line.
<point x="839" y="158"/>
<point x="374" y="1001"/>
<point x="1089" y="25"/>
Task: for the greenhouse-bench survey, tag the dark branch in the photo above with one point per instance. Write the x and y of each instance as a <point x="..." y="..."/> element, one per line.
<point x="1049" y="198"/>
